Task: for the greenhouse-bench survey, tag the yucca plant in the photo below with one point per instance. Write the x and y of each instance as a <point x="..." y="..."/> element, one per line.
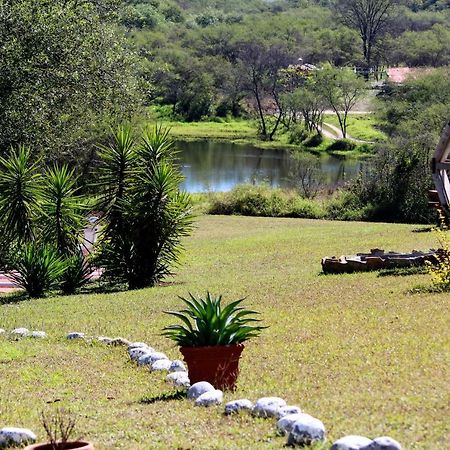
<point x="19" y="195"/>
<point x="77" y="274"/>
<point x="145" y="213"/>
<point x="37" y="268"/>
<point x="63" y="210"/>
<point x="207" y="322"/>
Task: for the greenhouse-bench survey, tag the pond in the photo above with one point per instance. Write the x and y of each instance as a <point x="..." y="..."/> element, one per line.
<point x="218" y="167"/>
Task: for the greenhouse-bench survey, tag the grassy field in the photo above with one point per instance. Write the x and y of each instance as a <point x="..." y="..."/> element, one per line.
<point x="360" y="352"/>
<point x="360" y="126"/>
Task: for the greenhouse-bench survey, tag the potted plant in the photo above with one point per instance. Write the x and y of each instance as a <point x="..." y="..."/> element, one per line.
<point x="211" y="338"/>
<point x="59" y="427"/>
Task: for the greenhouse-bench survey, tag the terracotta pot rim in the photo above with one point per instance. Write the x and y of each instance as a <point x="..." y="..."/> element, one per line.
<point x="205" y="347"/>
<point x="79" y="445"/>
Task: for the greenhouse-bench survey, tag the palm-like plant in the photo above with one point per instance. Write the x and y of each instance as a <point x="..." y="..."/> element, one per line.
<point x="36" y="268"/>
<point x="206" y="322"/>
<point x="63" y="210"/>
<point x="146" y="215"/>
<point x="77" y="274"/>
<point x="19" y="195"/>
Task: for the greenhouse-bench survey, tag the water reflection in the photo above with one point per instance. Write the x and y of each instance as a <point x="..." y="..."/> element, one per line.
<point x="218" y="167"/>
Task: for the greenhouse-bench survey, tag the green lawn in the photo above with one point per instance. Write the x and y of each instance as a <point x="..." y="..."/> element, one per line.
<point x="358" y="351"/>
<point x="360" y="126"/>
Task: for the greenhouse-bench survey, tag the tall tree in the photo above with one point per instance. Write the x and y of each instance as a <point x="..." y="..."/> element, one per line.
<point x="341" y="88"/>
<point x="63" y="73"/>
<point x="261" y="68"/>
<point x="369" y="18"/>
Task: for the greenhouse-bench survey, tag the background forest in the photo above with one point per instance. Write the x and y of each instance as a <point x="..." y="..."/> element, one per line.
<point x="71" y="70"/>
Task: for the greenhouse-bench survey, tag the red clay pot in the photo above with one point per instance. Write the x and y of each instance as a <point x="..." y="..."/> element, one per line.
<point x="71" y="445"/>
<point x="219" y="365"/>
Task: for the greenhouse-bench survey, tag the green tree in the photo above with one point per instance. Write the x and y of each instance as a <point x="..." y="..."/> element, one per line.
<point x="369" y="18"/>
<point x="64" y="72"/>
<point x="341" y="88"/>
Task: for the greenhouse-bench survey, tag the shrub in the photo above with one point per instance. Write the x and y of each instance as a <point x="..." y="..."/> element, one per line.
<point x="297" y="135"/>
<point x="440" y="269"/>
<point x="37" y="268"/>
<point x="145" y="213"/>
<point x="342" y="145"/>
<point x="346" y="205"/>
<point x="76" y="275"/>
<point x="249" y="200"/>
<point x="207" y="322"/>
<point x="313" y="140"/>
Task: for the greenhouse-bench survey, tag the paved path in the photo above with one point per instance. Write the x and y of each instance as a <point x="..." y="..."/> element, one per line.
<point x="7" y="285"/>
<point x="333" y="132"/>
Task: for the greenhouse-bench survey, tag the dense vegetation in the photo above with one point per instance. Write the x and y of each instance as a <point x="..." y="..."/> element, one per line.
<point x="70" y="70"/>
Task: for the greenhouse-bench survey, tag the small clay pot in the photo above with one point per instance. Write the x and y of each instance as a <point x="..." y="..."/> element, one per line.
<point x="71" y="445"/>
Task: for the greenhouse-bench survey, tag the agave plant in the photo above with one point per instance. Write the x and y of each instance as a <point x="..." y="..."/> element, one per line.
<point x="206" y="322"/>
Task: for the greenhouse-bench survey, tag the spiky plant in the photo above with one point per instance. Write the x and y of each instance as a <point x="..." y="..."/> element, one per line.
<point x="63" y="210"/>
<point x="77" y="274"/>
<point x="206" y="322"/>
<point x="146" y="215"/>
<point x="37" y="268"/>
<point x="19" y="195"/>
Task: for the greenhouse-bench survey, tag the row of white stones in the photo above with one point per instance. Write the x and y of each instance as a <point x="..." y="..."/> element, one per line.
<point x="301" y="428"/>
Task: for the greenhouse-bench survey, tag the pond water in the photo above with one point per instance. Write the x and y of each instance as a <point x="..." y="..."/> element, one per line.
<point x="218" y="167"/>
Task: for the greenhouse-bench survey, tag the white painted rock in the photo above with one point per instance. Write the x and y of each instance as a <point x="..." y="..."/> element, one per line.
<point x="306" y="430"/>
<point x="2" y="331"/>
<point x="177" y="366"/>
<point x="75" y="335"/>
<point x="383" y="443"/>
<point x="39" y="334"/>
<point x="285" y="424"/>
<point x="105" y="340"/>
<point x="137" y="353"/>
<point x="161" y="365"/>
<point x="198" y="389"/>
<point x="288" y="410"/>
<point x="210" y="398"/>
<point x="179" y="379"/>
<point x="120" y="341"/>
<point x="236" y="406"/>
<point x="351" y="442"/>
<point x="147" y="359"/>
<point x="23" y="332"/>
<point x="137" y="345"/>
<point x="268" y="406"/>
<point x="16" y="436"/>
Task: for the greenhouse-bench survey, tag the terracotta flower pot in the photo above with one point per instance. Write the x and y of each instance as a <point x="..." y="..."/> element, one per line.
<point x="71" y="445"/>
<point x="219" y="365"/>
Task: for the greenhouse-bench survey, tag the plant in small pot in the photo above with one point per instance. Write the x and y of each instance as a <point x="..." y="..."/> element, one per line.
<point x="59" y="427"/>
<point x="211" y="338"/>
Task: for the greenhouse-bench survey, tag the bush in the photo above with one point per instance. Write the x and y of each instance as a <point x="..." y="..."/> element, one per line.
<point x="313" y="140"/>
<point x="297" y="135"/>
<point x="76" y="275"/>
<point x="249" y="200"/>
<point x="342" y="145"/>
<point x="346" y="205"/>
<point x="36" y="268"/>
